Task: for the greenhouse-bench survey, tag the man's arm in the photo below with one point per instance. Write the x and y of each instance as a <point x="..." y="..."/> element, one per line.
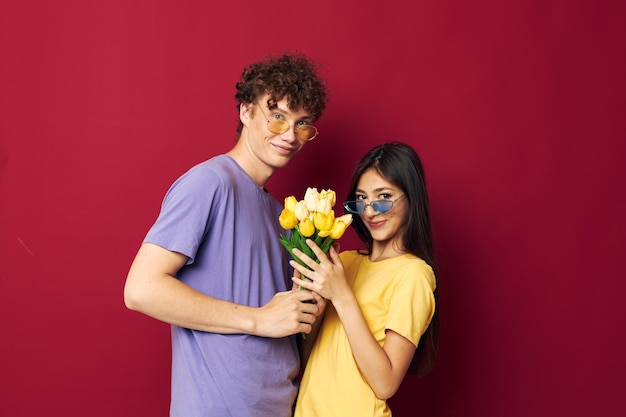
<point x="153" y="289"/>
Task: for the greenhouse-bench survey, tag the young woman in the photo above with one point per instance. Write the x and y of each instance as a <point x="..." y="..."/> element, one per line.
<point x="382" y="319"/>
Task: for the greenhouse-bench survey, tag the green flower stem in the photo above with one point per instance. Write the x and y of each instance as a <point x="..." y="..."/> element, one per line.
<point x="325" y="246"/>
<point x="298" y="241"/>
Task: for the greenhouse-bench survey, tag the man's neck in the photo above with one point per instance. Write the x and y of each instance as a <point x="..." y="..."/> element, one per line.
<point x="259" y="172"/>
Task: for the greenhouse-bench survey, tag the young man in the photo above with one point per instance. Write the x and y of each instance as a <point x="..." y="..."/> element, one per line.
<point x="213" y="267"/>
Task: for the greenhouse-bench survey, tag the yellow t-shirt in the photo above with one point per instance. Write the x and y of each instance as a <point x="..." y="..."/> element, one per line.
<point x="395" y="294"/>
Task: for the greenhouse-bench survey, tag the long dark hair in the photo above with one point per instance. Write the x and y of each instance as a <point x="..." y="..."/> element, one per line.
<point x="400" y="165"/>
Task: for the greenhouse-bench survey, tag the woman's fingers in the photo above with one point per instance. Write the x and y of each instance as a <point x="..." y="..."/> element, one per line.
<point x="299" y="268"/>
<point x="316" y="249"/>
<point x="304" y="258"/>
<point x="302" y="283"/>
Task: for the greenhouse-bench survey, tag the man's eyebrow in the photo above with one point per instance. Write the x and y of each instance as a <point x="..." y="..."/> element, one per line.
<point x="289" y="112"/>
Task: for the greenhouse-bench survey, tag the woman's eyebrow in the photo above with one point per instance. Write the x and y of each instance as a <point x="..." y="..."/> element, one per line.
<point x="377" y="190"/>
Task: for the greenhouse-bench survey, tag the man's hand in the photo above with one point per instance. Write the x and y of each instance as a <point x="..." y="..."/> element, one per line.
<point x="288" y="313"/>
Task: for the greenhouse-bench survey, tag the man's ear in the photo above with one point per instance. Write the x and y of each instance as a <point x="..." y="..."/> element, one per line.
<point x="245" y="113"/>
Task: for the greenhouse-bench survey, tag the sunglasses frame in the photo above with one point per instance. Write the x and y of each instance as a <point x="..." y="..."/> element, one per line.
<point x="288" y="126"/>
<point x="370" y="204"/>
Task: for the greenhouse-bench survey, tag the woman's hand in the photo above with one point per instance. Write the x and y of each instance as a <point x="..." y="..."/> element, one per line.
<point x="326" y="278"/>
<point x="318" y="300"/>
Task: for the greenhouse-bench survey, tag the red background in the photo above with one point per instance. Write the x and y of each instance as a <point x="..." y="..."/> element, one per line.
<point x="516" y="108"/>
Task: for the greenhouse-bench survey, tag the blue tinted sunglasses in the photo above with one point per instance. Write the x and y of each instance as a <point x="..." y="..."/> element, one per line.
<point x="379" y="206"/>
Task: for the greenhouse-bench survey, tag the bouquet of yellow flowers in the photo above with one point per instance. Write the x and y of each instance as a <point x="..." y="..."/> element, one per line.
<point x="312" y="218"/>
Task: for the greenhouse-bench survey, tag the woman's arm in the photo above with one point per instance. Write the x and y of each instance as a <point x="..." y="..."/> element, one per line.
<point x="383" y="367"/>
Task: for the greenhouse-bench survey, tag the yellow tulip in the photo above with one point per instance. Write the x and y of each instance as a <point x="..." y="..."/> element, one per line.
<point x="310" y="198"/>
<point x="330" y="195"/>
<point x="287" y="219"/>
<point x="306" y="227"/>
<point x="340" y="226"/>
<point x="324" y="222"/>
<point x="301" y="211"/>
<point x="290" y="203"/>
<point x="324" y="205"/>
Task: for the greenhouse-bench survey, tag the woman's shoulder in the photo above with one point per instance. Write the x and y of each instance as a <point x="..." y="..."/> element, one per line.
<point x="414" y="267"/>
<point x="349" y="256"/>
<point x="353" y="253"/>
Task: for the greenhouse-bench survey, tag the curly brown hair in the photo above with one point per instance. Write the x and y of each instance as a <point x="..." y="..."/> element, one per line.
<point x="290" y="75"/>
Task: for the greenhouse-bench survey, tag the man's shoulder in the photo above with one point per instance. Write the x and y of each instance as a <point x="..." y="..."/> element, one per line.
<point x="217" y="164"/>
<point x="217" y="168"/>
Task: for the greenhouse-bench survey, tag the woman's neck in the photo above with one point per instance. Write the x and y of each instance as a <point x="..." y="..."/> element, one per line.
<point x="384" y="250"/>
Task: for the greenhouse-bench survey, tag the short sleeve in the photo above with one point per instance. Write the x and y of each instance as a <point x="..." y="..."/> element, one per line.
<point x="412" y="303"/>
<point x="185" y="213"/>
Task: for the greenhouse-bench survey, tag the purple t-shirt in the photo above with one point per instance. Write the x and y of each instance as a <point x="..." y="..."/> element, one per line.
<point x="227" y="226"/>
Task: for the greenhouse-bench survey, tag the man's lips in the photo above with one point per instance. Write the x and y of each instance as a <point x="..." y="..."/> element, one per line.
<point x="284" y="150"/>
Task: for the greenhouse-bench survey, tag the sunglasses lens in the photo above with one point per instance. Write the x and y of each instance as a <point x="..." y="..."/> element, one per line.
<point x="381" y="206"/>
<point x="278" y="125"/>
<point x="306" y="132"/>
<point x="354" y="207"/>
